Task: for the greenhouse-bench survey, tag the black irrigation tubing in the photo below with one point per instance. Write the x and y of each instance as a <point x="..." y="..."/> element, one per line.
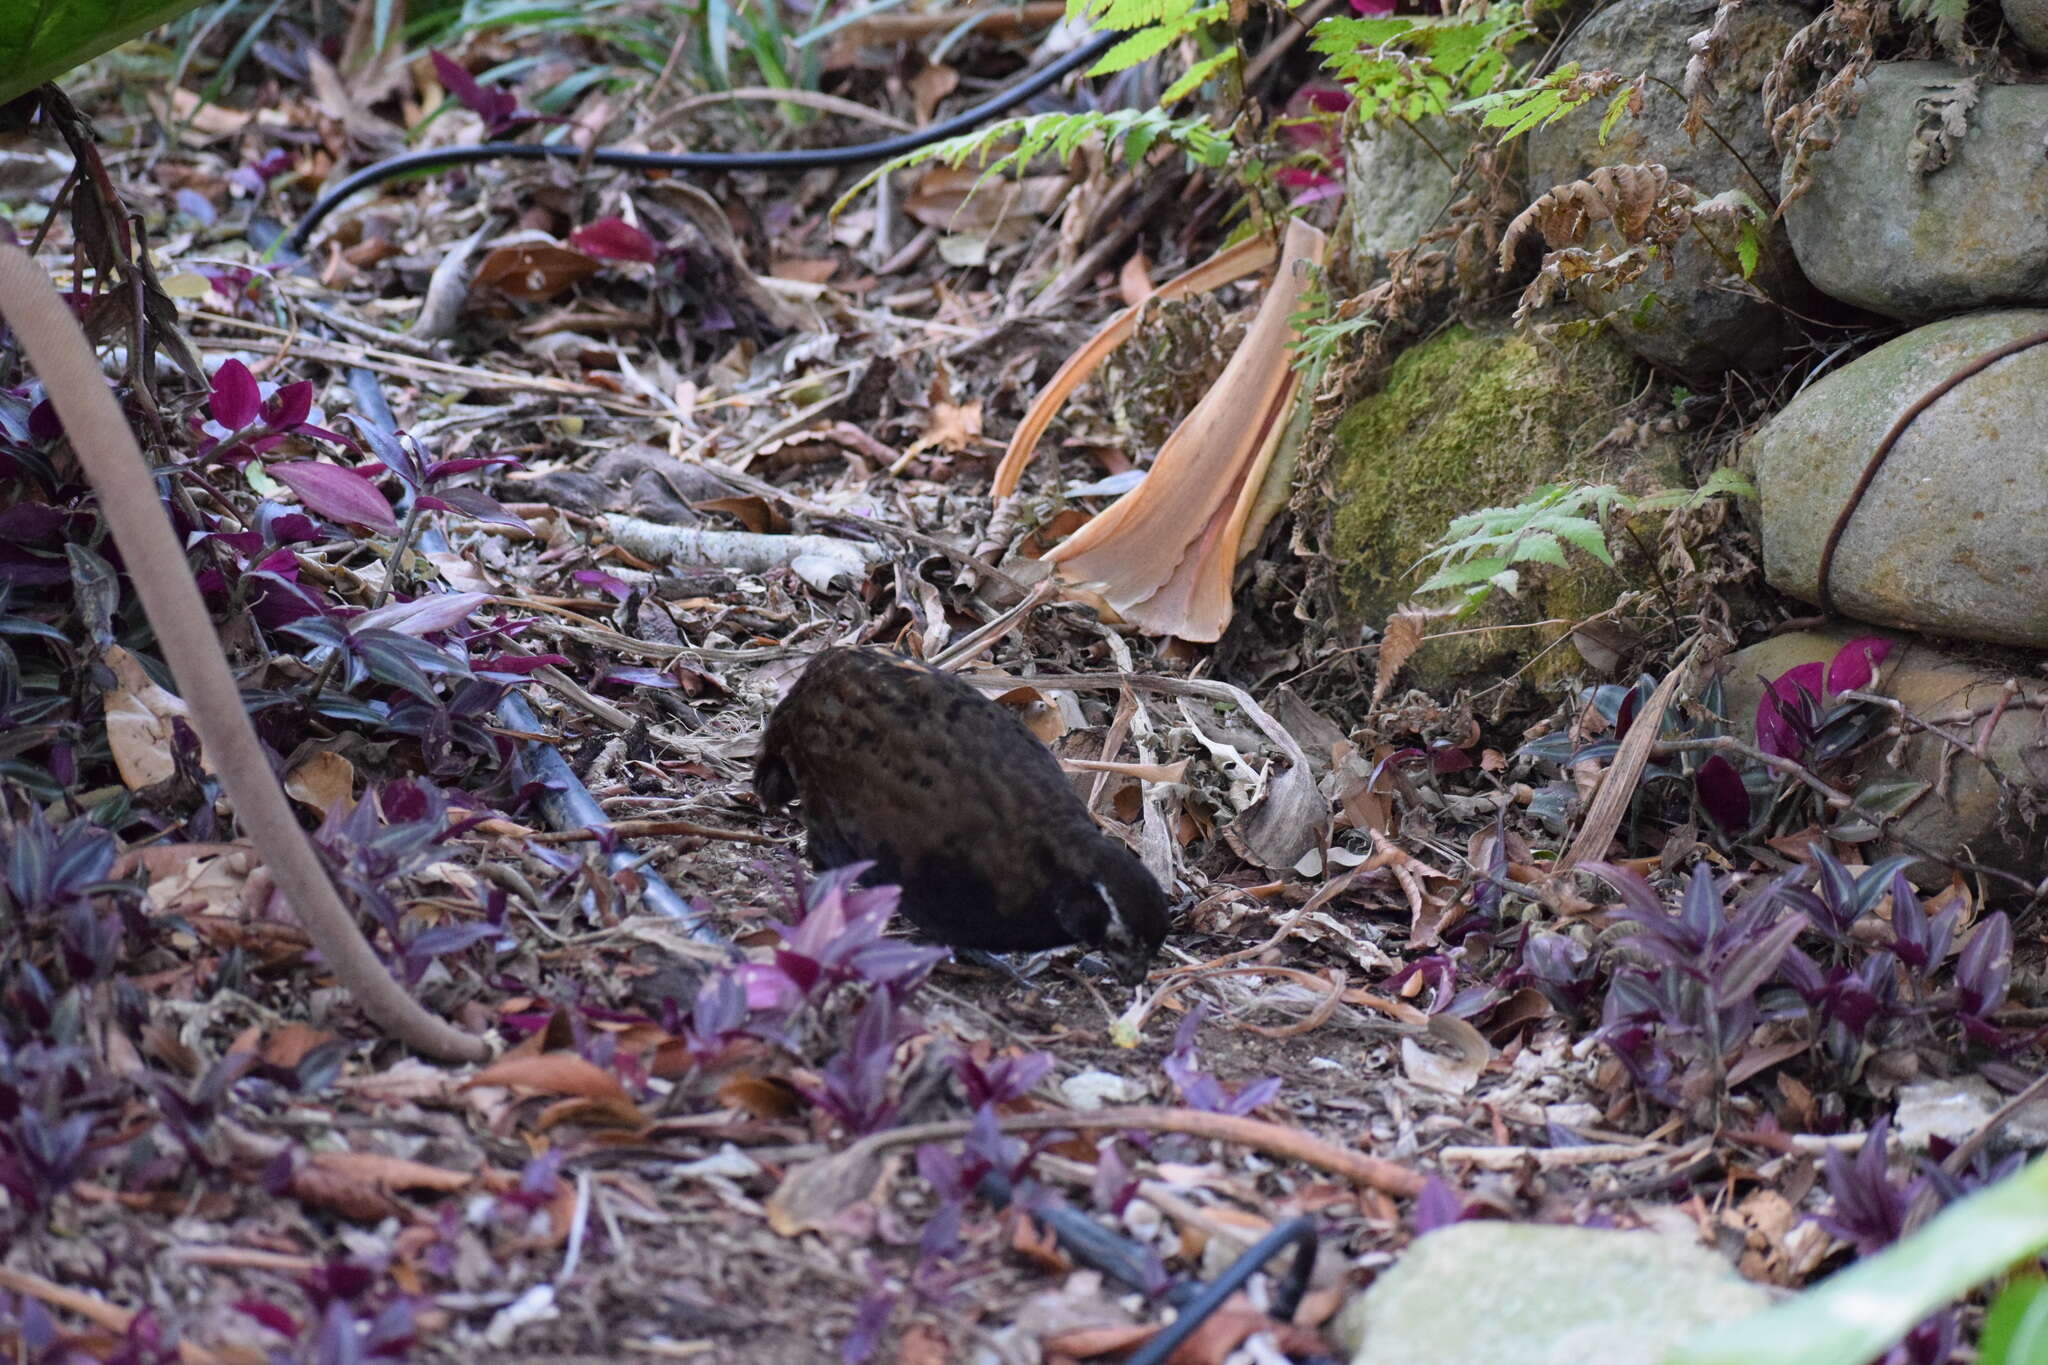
<point x="1094" y="1246"/>
<point x="801" y="159"/>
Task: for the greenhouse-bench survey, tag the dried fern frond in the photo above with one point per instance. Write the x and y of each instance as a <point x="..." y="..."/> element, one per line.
<point x="1632" y="198"/>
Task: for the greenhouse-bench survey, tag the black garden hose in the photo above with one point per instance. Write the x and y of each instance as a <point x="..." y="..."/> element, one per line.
<point x="802" y="159"/>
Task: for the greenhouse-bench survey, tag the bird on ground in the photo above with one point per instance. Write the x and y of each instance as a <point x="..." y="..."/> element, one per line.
<point x="953" y="799"/>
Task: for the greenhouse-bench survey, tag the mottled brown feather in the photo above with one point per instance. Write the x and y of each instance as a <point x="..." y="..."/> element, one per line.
<point x="956" y="801"/>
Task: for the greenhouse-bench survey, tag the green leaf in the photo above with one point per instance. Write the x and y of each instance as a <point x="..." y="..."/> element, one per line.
<point x="1588" y="536"/>
<point x="1198" y="75"/>
<point x="1136" y="48"/>
<point x="1853" y="1316"/>
<point x="1539" y="547"/>
<point x="1464" y="575"/>
<point x="43" y="39"/>
<point x="1615" y="109"/>
<point x="2016" y="1325"/>
<point x="1748" y="247"/>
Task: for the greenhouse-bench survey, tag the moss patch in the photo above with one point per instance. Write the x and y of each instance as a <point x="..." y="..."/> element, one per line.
<point x="1470" y="420"/>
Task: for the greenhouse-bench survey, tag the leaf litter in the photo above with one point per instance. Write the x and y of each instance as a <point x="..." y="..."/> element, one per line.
<point x="670" y="452"/>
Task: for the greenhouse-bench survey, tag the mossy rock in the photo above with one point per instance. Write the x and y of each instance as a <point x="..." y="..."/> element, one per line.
<point x="1474" y="419"/>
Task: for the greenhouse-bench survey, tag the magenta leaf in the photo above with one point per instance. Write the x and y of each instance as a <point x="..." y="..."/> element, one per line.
<point x="394" y="454"/>
<point x="492" y="106"/>
<point x="1777" y="732"/>
<point x="614" y="239"/>
<point x="289" y="406"/>
<point x="1722" y="793"/>
<point x="617" y="587"/>
<point x="1855" y="664"/>
<point x="235" y="400"/>
<point x="448" y="469"/>
<point x="1445" y="757"/>
<point x="336" y="493"/>
<point x="473" y="503"/>
<point x="519" y="663"/>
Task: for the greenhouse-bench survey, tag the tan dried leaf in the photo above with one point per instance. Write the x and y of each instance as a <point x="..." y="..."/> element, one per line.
<point x="1626" y="196"/>
<point x="325" y="780"/>
<point x="1398" y="643"/>
<point x="139" y="716"/>
<point x="531" y="270"/>
<point x="1134" y="281"/>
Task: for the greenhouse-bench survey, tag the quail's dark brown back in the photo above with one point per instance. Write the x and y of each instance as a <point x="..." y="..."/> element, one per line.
<point x="954" y="800"/>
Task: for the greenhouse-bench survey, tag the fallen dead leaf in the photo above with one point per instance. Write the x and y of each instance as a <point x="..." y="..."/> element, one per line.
<point x="1398" y="643"/>
<point x="139" y="716"/>
<point x="323" y="782"/>
<point x="929" y="86"/>
<point x="1134" y="281"/>
<point x="599" y="1096"/>
<point x="531" y="270"/>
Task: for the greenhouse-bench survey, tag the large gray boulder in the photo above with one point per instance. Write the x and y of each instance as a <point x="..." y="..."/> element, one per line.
<point x="1703" y="318"/>
<point x="1486" y="1293"/>
<point x="1398" y="179"/>
<point x="1952" y="536"/>
<point x="1960" y="223"/>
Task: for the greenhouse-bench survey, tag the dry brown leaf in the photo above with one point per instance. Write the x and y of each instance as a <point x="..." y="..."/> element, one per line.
<point x="360" y="1186"/>
<point x="1040" y="716"/>
<point x="531" y="270"/>
<point x="288" y="1046"/>
<point x="139" y="716"/>
<point x="322" y="782"/>
<point x="1164" y="553"/>
<point x="1134" y="281"/>
<point x="1251" y="255"/>
<point x="391" y="1172"/>
<point x="1627" y="196"/>
<point x="1454" y="1074"/>
<point x="923" y="1344"/>
<point x="197" y="880"/>
<point x="929" y="86"/>
<point x="807" y="269"/>
<point x="952" y="427"/>
<point x="1398" y="643"/>
<point x="761" y="1097"/>
<point x="555" y="1073"/>
<point x="753" y="511"/>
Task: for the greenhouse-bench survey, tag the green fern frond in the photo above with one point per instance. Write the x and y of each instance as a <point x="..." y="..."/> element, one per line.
<point x="1415" y="68"/>
<point x="1544" y="103"/>
<point x="1061" y="136"/>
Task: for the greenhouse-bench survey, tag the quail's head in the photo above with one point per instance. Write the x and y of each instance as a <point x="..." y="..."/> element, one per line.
<point x="1114" y="904"/>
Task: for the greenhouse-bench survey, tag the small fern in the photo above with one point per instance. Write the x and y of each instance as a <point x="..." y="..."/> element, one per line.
<point x="1323" y="329"/>
<point x="1150" y="26"/>
<point x="1415" y="68"/>
<point x="1010" y="144"/>
<point x="1481" y="549"/>
<point x="1564" y="90"/>
<point x="1480" y="552"/>
<point x="1944" y="16"/>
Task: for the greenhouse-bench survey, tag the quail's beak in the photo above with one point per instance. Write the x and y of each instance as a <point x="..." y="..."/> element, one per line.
<point x="1131" y="965"/>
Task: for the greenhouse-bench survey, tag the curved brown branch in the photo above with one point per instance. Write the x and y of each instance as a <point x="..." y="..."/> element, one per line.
<point x="1890" y="439"/>
<point x="56" y="346"/>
